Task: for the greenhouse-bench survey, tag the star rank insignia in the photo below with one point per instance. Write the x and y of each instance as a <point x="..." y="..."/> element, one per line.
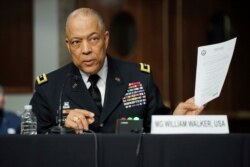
<point x="41" y="79"/>
<point x="145" y="67"/>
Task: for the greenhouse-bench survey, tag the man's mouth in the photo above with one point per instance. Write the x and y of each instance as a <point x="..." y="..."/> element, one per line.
<point x="89" y="62"/>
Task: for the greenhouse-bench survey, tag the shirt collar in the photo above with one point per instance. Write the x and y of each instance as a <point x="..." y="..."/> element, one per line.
<point x="102" y="73"/>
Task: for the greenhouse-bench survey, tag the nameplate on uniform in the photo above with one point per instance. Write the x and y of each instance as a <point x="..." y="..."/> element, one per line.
<point x="189" y="124"/>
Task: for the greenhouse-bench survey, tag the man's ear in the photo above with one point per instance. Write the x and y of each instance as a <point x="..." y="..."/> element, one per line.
<point x="67" y="44"/>
<point x="106" y="39"/>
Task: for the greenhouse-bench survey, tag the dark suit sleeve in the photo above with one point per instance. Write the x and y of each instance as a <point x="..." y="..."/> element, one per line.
<point x="155" y="104"/>
<point x="41" y="110"/>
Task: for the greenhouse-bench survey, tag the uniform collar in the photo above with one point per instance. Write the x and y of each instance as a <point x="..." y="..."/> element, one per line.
<point x="102" y="73"/>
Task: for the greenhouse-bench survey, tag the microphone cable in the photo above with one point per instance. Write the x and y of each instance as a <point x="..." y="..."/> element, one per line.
<point x="139" y="149"/>
<point x="95" y="144"/>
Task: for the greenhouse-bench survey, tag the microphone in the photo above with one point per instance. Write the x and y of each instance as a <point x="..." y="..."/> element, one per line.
<point x="59" y="128"/>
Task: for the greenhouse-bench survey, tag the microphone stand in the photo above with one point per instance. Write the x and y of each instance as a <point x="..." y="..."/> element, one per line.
<point x="60" y="129"/>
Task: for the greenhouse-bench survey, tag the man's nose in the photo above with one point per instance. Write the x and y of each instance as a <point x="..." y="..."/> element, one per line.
<point x="86" y="48"/>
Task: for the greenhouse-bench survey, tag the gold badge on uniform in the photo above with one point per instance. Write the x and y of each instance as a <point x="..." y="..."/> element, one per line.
<point x="41" y="79"/>
<point x="145" y="67"/>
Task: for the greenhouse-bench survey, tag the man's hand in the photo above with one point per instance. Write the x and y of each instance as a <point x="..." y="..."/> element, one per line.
<point x="79" y="119"/>
<point x="188" y="108"/>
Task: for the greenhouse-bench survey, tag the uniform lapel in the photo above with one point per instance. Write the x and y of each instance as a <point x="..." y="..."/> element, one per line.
<point x="78" y="92"/>
<point x="115" y="89"/>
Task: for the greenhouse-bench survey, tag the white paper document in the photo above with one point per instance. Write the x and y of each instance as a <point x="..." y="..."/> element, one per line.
<point x="212" y="65"/>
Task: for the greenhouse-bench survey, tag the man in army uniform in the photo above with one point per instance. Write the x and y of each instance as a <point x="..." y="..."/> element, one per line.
<point x="121" y="89"/>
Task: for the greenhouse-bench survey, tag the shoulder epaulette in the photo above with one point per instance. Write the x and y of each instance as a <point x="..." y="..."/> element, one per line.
<point x="41" y="79"/>
<point x="145" y="67"/>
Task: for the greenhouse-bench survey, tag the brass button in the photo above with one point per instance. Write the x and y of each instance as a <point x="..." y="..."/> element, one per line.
<point x="101" y="125"/>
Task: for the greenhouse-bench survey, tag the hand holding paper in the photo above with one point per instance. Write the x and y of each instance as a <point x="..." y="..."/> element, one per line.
<point x="188" y="108"/>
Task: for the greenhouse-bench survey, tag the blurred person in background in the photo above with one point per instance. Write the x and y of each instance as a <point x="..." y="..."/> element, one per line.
<point x="9" y="121"/>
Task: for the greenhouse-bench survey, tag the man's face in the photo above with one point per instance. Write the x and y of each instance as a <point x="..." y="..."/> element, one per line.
<point x="87" y="43"/>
